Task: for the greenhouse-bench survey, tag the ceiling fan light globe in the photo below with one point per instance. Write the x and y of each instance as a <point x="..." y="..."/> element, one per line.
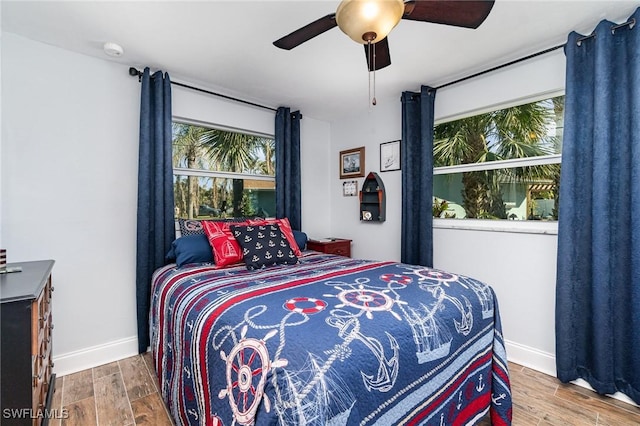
<point x="358" y="17"/>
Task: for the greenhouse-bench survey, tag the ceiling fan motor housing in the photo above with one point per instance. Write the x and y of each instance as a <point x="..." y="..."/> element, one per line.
<point x="369" y="20"/>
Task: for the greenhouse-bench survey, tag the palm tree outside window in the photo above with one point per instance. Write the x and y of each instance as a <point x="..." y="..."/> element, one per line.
<point x="222" y="173"/>
<point x="502" y="164"/>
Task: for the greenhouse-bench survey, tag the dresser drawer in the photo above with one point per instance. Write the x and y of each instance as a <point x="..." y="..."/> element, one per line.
<point x="41" y="327"/>
<point x="338" y="246"/>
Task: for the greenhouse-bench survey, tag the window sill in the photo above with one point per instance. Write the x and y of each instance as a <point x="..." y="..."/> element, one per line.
<point x="487" y="225"/>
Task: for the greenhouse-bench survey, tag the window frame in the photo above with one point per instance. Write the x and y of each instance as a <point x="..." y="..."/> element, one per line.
<point x="501" y="225"/>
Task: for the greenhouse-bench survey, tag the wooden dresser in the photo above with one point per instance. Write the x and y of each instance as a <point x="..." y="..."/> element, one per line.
<point x="337" y="246"/>
<point x="26" y="379"/>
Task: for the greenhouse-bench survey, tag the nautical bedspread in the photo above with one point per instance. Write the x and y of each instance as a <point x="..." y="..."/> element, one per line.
<point x="330" y="341"/>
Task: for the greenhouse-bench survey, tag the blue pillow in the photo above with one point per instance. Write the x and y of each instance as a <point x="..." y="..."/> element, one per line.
<point x="301" y="239"/>
<point x="190" y="249"/>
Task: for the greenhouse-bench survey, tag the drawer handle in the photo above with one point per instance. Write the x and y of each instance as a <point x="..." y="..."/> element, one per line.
<point x="36" y="379"/>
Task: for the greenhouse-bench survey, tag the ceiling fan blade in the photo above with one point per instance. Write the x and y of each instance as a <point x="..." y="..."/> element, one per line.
<point x="307" y="32"/>
<point x="468" y="14"/>
<point x="381" y="52"/>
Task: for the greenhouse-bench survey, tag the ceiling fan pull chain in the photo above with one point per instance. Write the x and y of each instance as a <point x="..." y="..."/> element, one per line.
<point x="374" y="75"/>
<point x="368" y="71"/>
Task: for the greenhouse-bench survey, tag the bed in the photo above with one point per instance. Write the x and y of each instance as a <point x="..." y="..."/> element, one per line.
<point x="328" y="341"/>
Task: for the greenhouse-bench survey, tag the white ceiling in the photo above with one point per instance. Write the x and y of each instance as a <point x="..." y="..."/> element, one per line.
<point x="226" y="46"/>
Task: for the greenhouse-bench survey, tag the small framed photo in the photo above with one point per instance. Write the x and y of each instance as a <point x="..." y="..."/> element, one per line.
<point x="390" y="156"/>
<point x="350" y="188"/>
<point x="352" y="163"/>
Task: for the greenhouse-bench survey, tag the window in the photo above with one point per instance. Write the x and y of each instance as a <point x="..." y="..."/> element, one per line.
<point x="503" y="164"/>
<point x="221" y="173"/>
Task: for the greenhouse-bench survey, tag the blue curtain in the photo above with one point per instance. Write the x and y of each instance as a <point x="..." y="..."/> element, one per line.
<point x="156" y="228"/>
<point x="598" y="272"/>
<point x="417" y="177"/>
<point x="288" y="192"/>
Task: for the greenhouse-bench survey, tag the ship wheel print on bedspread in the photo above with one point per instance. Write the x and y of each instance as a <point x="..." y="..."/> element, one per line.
<point x="247" y="366"/>
<point x="302" y="392"/>
<point x="365" y="299"/>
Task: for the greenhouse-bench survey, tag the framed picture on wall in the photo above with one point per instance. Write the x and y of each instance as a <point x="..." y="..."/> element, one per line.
<point x="390" y="156"/>
<point x="352" y="163"/>
<point x="350" y="188"/>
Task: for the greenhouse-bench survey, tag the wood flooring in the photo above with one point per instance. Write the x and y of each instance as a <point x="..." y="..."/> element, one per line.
<point x="125" y="393"/>
<point x="120" y="393"/>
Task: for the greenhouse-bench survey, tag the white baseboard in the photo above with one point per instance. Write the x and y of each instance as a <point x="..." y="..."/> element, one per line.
<point x="533" y="358"/>
<point x="94" y="356"/>
<point x="618" y="395"/>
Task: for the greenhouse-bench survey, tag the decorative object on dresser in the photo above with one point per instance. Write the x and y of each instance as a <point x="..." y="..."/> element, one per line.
<point x="352" y="163"/>
<point x="339" y="246"/>
<point x="373" y="200"/>
<point x="27" y="382"/>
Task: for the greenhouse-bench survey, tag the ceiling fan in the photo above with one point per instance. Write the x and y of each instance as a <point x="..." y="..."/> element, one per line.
<point x="368" y="22"/>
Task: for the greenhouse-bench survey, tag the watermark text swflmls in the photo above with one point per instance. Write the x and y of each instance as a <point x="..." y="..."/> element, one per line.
<point x="29" y="413"/>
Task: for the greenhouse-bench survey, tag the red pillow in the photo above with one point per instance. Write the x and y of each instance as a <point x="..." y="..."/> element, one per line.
<point x="226" y="250"/>
<point x="285" y="227"/>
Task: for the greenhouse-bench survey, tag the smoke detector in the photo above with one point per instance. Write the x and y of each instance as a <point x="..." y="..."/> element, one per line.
<point x="113" y="49"/>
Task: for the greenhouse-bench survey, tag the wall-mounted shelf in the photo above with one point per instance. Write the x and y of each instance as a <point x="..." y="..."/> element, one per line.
<point x="373" y="200"/>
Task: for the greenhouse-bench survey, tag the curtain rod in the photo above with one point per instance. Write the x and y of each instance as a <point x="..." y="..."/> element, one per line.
<point x="533" y="55"/>
<point x="631" y="23"/>
<point x="135" y="72"/>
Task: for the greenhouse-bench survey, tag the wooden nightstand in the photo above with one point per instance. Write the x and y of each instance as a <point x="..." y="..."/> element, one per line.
<point x="337" y="246"/>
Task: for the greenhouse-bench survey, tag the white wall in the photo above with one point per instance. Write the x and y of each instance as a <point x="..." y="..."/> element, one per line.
<point x="69" y="167"/>
<point x="371" y="240"/>
<point x="70" y="128"/>
<point x="520" y="266"/>
<point x="315" y="160"/>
